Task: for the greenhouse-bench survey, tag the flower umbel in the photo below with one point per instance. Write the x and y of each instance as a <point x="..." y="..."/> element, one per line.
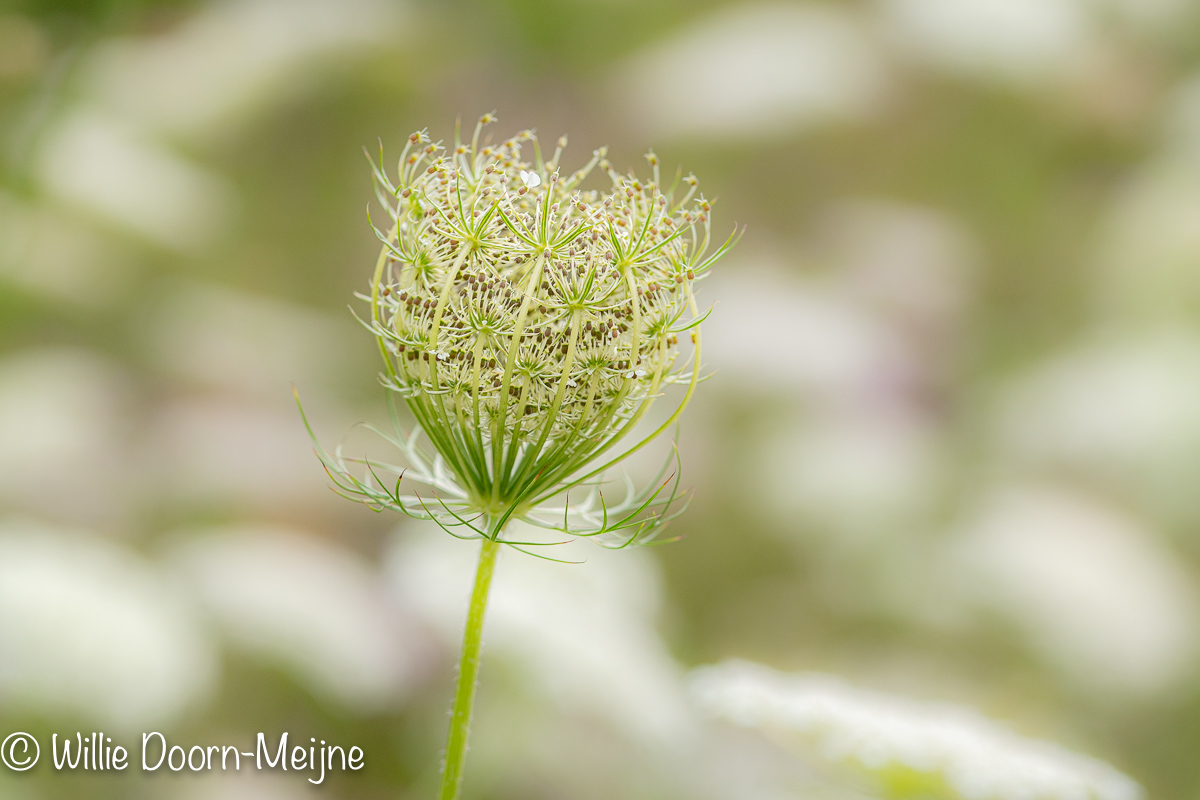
<point x="529" y="324"/>
<point x="913" y="749"/>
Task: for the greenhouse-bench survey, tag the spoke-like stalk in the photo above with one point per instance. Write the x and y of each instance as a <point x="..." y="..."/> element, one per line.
<point x="468" y="674"/>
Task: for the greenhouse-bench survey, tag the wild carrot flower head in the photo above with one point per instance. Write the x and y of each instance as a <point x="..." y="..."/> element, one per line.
<point x="529" y="323"/>
<point x="910" y="748"/>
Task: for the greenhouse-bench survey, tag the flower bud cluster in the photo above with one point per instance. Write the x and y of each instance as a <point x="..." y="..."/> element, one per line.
<point x="530" y="322"/>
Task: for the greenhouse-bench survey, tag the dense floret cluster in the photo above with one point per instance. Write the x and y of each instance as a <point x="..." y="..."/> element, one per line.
<point x="530" y="322"/>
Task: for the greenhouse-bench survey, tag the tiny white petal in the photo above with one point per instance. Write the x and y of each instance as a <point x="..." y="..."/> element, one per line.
<point x="530" y="179"/>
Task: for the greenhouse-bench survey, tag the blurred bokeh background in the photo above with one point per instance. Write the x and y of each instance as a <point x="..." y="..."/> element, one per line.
<point x="950" y="450"/>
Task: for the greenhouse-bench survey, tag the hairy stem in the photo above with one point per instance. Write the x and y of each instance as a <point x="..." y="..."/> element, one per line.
<point x="468" y="674"/>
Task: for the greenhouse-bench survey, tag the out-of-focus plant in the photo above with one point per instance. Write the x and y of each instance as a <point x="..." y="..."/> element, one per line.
<point x="529" y="324"/>
<point x="908" y="748"/>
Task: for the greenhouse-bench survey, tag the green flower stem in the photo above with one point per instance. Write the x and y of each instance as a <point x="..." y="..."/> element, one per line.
<point x="468" y="674"/>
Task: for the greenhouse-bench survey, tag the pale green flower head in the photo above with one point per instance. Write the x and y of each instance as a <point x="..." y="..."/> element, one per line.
<point x="530" y="323"/>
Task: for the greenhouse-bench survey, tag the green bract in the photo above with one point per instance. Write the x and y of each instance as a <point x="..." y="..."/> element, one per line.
<point x="529" y="324"/>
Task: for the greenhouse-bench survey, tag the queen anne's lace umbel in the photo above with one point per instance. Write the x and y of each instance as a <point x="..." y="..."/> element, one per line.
<point x="529" y="323"/>
<point x="941" y="750"/>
